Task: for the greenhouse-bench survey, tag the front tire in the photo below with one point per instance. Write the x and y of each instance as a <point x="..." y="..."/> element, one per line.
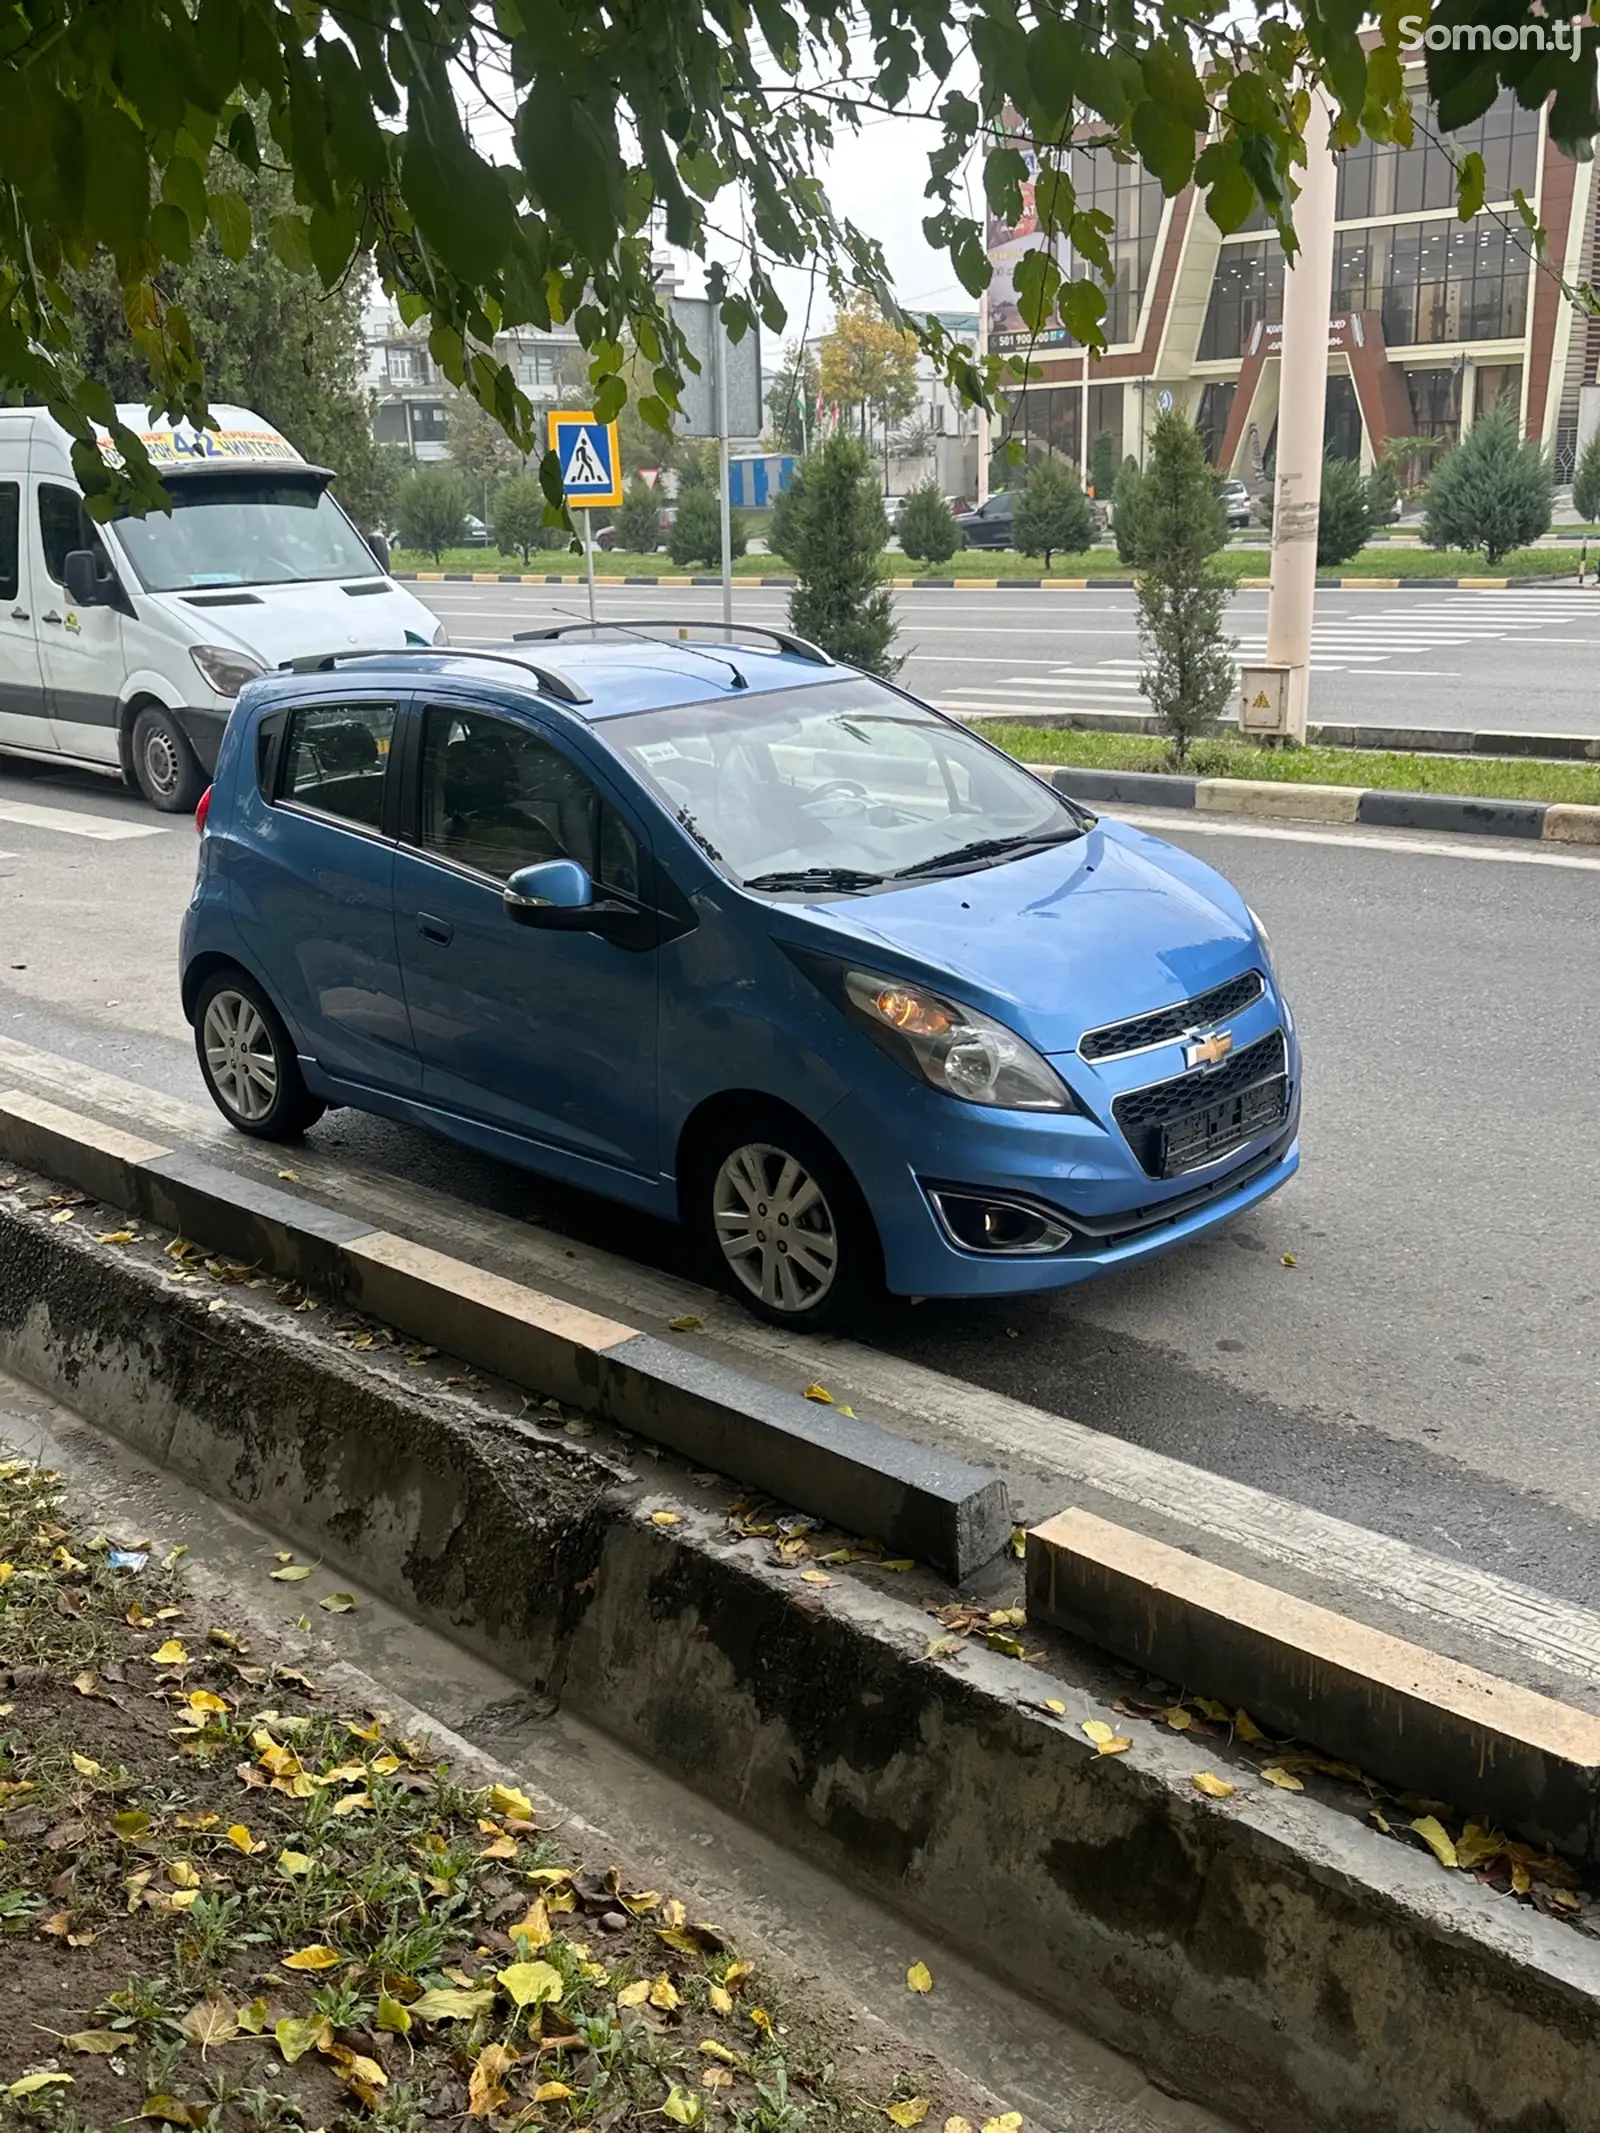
<point x="786" y="1226"/>
<point x="247" y="1060"/>
<point x="164" y="764"/>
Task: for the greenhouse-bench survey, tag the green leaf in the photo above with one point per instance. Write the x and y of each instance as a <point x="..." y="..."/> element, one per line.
<point x="116" y="200"/>
<point x="1166" y="142"/>
<point x="1470" y="179"/>
<point x="610" y="398"/>
<point x="170" y="232"/>
<point x="1038" y="278"/>
<point x="183" y="183"/>
<point x="290" y="239"/>
<point x="230" y="217"/>
<point x="1055" y="57"/>
<point x="1082" y="311"/>
<point x="460" y="203"/>
<point x="1005" y="172"/>
<point x="573" y="162"/>
<point x="1231" y="196"/>
<point x="333" y="235"/>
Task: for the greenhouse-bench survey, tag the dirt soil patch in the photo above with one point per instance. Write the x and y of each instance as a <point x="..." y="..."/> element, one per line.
<point x="229" y="1902"/>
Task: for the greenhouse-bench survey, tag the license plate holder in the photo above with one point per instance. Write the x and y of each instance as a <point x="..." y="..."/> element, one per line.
<point x="1210" y="1132"/>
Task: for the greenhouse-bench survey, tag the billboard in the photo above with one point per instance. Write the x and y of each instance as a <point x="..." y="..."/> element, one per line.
<point x="1007" y="243"/>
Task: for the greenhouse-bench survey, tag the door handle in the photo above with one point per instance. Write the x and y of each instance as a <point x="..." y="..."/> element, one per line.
<point x="435" y="929"/>
<point x="19" y="614"/>
<point x="52" y="616"/>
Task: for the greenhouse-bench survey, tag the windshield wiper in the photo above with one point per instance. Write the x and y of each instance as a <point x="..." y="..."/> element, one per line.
<point x="984" y="848"/>
<point x="815" y="878"/>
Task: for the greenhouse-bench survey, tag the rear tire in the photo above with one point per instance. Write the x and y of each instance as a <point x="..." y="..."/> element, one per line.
<point x="784" y="1224"/>
<point x="164" y="764"/>
<point x="247" y="1060"/>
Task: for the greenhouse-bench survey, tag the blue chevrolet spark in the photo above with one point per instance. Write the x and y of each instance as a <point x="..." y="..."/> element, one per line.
<point x="708" y="923"/>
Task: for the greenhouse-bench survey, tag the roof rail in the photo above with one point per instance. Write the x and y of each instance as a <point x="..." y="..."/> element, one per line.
<point x="801" y="647"/>
<point x="550" y="681"/>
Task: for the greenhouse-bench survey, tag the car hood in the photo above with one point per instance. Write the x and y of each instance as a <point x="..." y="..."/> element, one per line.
<point x="277" y="622"/>
<point x="1112" y="925"/>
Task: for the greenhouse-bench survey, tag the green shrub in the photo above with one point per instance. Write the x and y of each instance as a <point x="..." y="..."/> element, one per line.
<point x="430" y="510"/>
<point x="1493" y="491"/>
<point x="1052" y="512"/>
<point x="835" y="534"/>
<point x="928" y="532"/>
<point x="1188" y="673"/>
<point x="638" y="521"/>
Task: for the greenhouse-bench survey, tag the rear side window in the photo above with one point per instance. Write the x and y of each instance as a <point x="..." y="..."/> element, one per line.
<point x="336" y="759"/>
<point x="10" y="528"/>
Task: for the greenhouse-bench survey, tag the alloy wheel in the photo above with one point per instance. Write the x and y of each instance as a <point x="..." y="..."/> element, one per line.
<point x="775" y="1228"/>
<point x="241" y="1056"/>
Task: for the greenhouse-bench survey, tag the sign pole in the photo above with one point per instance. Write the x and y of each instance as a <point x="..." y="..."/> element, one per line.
<point x="721" y="346"/>
<point x="588" y="558"/>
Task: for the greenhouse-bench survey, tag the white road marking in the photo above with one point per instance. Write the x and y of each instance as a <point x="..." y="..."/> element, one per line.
<point x="26" y="816"/>
<point x="1175" y="820"/>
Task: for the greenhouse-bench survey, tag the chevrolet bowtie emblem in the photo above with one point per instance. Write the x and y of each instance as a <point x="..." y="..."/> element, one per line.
<point x="1208" y="1051"/>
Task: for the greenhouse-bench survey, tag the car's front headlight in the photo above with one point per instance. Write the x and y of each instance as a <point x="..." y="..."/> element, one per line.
<point x="1265" y="938"/>
<point x="954" y="1048"/>
<point x="223" y="670"/>
<point x="441" y="635"/>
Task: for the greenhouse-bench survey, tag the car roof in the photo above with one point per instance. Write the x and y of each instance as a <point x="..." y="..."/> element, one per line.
<point x="590" y="678"/>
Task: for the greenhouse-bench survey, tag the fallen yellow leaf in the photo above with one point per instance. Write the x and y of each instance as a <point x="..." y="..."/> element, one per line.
<point x="508" y="1800"/>
<point x="337" y="1603"/>
<point x="486" y="2091"/>
<point x="1285" y="1780"/>
<point x="1106" y="1741"/>
<point x="1247" y="1729"/>
<point x="317" y="1957"/>
<point x="687" y="1324"/>
<point x="1437" y="1838"/>
<point x="183" y="1874"/>
<point x="663" y="1993"/>
<point x="100" y="2043"/>
<point x="85" y="1766"/>
<point x="919" y="1978"/>
<point x="553" y="2092"/>
<point x="683" y="2106"/>
<point x="295" y="2035"/>
<point x="211" y="2022"/>
<point x="171" y="1653"/>
<point x="1178" y="1718"/>
<point x="958" y="2125"/>
<point x="634" y="1995"/>
<point x="719" y="2000"/>
<point x="819" y="1392"/>
<point x="291" y="1574"/>
<point x="534" y="1928"/>
<point x="293" y="1863"/>
<point x="815" y="1577"/>
<point x="449" y="2003"/>
<point x="665" y="1518"/>
<point x="531" y="1984"/>
<point x="720" y="2052"/>
<point x="1007" y="2122"/>
<point x="31" y="2084"/>
<point x="203" y="1700"/>
<point x="910" y="2113"/>
<point x="393" y="2019"/>
<point x="1212" y="1786"/>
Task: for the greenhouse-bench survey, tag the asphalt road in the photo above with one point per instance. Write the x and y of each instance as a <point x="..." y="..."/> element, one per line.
<point x="1513" y="661"/>
<point x="1429" y="1364"/>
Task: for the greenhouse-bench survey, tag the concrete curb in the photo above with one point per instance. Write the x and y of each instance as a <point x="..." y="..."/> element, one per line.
<point x="923" y="1503"/>
<point x="1536" y="819"/>
<point x="1396" y="1711"/>
<point x="1401" y="740"/>
<point x="1278" y="1960"/>
<point x="1094" y="584"/>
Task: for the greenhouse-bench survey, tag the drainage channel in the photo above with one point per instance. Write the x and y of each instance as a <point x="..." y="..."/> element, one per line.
<point x="763" y="1895"/>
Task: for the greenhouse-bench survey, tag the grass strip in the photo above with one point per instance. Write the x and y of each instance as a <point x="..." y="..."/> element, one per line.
<point x="1474" y="777"/>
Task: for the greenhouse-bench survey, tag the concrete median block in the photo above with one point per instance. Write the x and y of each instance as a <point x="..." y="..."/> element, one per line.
<point x="1572" y="825"/>
<point x="1398" y="1712"/>
<point x="98" y="1159"/>
<point x="1130" y="788"/>
<point x="1444" y="811"/>
<point x="1282" y="803"/>
<point x="247" y="1220"/>
<point x="516" y="1332"/>
<point x="918" y="1501"/>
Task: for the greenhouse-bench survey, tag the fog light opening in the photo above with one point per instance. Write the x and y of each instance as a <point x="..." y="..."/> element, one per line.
<point x="1007" y="1227"/>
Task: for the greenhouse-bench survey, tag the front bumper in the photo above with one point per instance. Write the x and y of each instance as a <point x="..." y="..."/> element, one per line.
<point x="1077" y="1170"/>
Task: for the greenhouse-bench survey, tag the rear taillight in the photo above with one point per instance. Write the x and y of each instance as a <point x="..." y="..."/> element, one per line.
<point x="201" y="812"/>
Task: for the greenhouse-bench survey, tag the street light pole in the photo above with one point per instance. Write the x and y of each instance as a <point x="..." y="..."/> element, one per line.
<point x="1302" y="402"/>
<point x="720" y="346"/>
<point x="983" y="412"/>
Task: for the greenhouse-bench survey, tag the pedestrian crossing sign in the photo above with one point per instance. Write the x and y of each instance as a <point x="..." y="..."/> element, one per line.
<point x="591" y="467"/>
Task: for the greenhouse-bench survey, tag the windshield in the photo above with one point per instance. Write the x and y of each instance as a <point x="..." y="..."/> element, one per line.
<point x="843" y="785"/>
<point x="244" y="529"/>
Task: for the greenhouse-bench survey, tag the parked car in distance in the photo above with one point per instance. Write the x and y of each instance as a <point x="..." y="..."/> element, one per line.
<point x="960" y="506"/>
<point x="741" y="937"/>
<point x="476" y="534"/>
<point x="1236" y="502"/>
<point x="989" y="525"/>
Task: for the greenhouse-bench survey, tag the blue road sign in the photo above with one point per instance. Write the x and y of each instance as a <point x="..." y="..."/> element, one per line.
<point x="591" y="466"/>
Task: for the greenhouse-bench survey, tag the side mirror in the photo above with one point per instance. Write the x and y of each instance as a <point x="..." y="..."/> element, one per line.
<point x="380" y="551"/>
<point x="553" y="893"/>
<point x="85" y="581"/>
